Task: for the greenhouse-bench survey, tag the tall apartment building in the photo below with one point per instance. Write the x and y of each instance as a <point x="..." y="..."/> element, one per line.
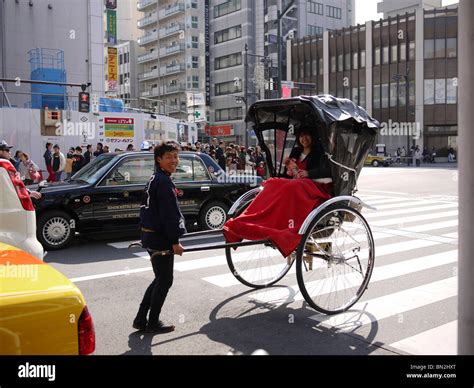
<point x="237" y="23"/>
<point x="173" y="65"/>
<point x="28" y="25"/>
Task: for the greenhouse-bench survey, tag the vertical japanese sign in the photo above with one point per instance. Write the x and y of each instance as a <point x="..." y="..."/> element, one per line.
<point x="208" y="59"/>
<point x="111" y="26"/>
<point x="112" y="69"/>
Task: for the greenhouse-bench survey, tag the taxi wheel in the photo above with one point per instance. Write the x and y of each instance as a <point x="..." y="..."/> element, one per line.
<point x="375" y="163"/>
<point x="56" y="229"/>
<point x="213" y="216"/>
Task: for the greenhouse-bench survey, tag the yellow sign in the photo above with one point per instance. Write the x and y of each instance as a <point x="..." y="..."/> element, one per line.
<point x="112" y="68"/>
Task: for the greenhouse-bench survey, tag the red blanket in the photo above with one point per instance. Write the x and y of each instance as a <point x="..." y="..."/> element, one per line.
<point x="278" y="212"/>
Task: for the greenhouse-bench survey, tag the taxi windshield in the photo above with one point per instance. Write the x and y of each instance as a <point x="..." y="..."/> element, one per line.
<point x="94" y="170"/>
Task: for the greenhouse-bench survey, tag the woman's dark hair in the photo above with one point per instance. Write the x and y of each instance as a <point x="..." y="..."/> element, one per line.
<point x="48" y="144"/>
<point x="306" y="131"/>
<point x="162" y="149"/>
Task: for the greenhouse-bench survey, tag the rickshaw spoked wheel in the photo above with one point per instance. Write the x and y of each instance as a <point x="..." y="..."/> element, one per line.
<point x="335" y="259"/>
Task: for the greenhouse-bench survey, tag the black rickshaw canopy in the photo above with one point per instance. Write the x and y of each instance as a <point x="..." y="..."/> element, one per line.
<point x="345" y="131"/>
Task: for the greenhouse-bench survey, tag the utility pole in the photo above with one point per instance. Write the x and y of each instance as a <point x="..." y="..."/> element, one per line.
<point x="466" y="179"/>
<point x="246" y="97"/>
<point x="281" y="15"/>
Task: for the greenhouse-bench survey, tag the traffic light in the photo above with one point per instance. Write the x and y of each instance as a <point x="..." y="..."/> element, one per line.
<point x="84" y="102"/>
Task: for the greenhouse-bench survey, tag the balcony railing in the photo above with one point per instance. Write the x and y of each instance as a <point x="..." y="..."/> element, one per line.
<point x="148" y="75"/>
<point x="171" y="10"/>
<point x="141" y="5"/>
<point x="147" y="38"/>
<point x="147" y="57"/>
<point x="171" y="50"/>
<point x="171" y="30"/>
<point x="173" y="69"/>
<point x="150" y="93"/>
<point x="169" y="89"/>
<point x="153" y="18"/>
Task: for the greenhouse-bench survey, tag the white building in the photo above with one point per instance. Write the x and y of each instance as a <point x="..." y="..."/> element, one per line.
<point x="74" y="26"/>
<point x="391" y="8"/>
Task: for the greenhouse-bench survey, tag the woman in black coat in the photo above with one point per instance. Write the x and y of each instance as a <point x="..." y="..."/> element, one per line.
<point x="308" y="159"/>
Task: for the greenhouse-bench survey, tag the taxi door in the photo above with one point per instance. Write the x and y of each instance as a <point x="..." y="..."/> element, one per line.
<point x="119" y="195"/>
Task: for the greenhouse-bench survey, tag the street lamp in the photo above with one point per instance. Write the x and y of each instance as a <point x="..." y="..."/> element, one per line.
<point x="266" y="61"/>
<point x="398" y="77"/>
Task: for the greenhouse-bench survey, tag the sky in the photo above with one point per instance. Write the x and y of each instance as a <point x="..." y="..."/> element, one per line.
<point x="367" y="10"/>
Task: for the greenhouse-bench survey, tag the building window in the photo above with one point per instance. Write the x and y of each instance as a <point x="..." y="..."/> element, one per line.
<point x="393" y="95"/>
<point x="403" y="52"/>
<point x="440" y="91"/>
<point x="302" y="75"/>
<point x="228" y="61"/>
<point x="340" y="64"/>
<point x="385" y="96"/>
<point x="333" y="12"/>
<point x="440" y="48"/>
<point x="194" y="5"/>
<point x="315" y="30"/>
<point x="451" y="91"/>
<point x="411" y="51"/>
<point x="227" y="88"/>
<point x="314" y="68"/>
<point x="227" y="8"/>
<point x="120" y="59"/>
<point x="362" y="59"/>
<point x="402" y="93"/>
<point x="308" y="69"/>
<point x="333" y="64"/>
<point x="321" y="65"/>
<point x="362" y="97"/>
<point x="376" y="96"/>
<point x="228" y="34"/>
<point x="347" y="61"/>
<point x="385" y="55"/>
<point x="195" y="62"/>
<point x="229" y="114"/>
<point x="195" y="42"/>
<point x="193" y="82"/>
<point x="355" y="95"/>
<point x="194" y="22"/>
<point x="377" y="56"/>
<point x="451" y="48"/>
<point x="429" y="92"/>
<point x="394" y="54"/>
<point x="355" y="61"/>
<point x="316" y="8"/>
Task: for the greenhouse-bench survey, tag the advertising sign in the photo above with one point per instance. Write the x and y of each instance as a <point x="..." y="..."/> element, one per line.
<point x="121" y="129"/>
<point x="220" y="130"/>
<point x="112" y="69"/>
<point x="111" y="26"/>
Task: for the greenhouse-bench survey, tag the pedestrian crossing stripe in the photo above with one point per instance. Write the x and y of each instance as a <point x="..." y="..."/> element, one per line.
<point x="389" y="271"/>
<point x="369" y="311"/>
<point x="380" y="273"/>
<point x="406" y="220"/>
<point x="371" y="214"/>
<point x="441" y="340"/>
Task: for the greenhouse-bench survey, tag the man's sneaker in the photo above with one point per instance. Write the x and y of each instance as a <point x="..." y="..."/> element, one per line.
<point x="139" y="325"/>
<point x="161" y="328"/>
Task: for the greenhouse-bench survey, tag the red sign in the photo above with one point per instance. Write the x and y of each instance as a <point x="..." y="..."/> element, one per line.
<point x="118" y="120"/>
<point x="220" y="130"/>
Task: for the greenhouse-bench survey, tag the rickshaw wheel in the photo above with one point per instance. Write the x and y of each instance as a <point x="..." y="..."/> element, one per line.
<point x="335" y="259"/>
<point x="258" y="266"/>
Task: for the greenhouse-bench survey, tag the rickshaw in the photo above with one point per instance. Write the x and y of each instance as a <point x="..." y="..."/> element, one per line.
<point x="335" y="256"/>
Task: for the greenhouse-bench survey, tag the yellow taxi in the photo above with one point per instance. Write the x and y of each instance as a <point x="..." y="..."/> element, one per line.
<point x="379" y="157"/>
<point x="41" y="311"/>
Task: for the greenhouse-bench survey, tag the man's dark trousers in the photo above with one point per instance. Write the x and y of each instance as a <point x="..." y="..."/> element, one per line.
<point x="157" y="291"/>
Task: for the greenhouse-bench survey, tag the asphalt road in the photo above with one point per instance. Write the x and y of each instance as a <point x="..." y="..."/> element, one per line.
<point x="410" y="306"/>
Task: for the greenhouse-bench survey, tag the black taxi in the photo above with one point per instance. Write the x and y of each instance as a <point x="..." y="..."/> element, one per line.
<point x="106" y="195"/>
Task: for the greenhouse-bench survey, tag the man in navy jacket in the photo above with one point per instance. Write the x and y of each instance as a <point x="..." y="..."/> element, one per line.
<point x="162" y="224"/>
